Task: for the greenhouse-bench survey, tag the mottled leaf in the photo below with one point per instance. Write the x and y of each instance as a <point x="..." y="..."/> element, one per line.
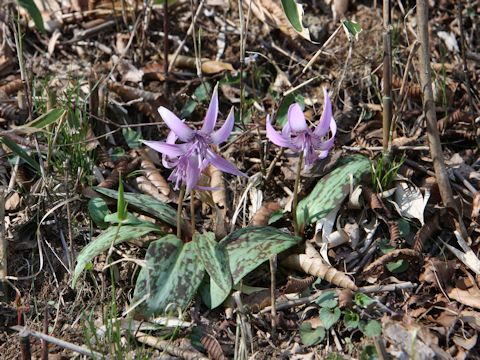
<point x="172" y="275"/>
<point x="332" y="189"/>
<point x="249" y="247"/>
<point x="145" y="203"/>
<point x="215" y="262"/>
<point x="113" y="235"/>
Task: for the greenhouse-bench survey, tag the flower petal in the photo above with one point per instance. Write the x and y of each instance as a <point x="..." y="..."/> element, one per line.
<point x="223" y="133"/>
<point x="327" y="117"/>
<point x="212" y="113"/>
<point x="275" y="137"/>
<point x="223" y="165"/>
<point x="170" y="150"/>
<point x="327" y="144"/>
<point x="296" y="118"/>
<point x="183" y="132"/>
<point x="193" y="174"/>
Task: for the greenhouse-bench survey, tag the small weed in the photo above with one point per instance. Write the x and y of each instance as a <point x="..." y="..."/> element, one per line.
<point x="384" y="171"/>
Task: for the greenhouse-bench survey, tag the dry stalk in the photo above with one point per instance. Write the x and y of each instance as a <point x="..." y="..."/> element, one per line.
<point x="431" y="116"/>
<point x="3" y="247"/>
<point x="387" y="75"/>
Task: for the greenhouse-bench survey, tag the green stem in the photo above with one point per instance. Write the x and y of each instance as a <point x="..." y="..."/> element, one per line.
<point x="179" y="211"/>
<point x="192" y="211"/>
<point x="295" y="194"/>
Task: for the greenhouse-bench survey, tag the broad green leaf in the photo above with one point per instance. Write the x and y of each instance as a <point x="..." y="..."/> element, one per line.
<point x="249" y="247"/>
<point x="332" y="189"/>
<point x="98" y="209"/>
<point x="294" y="14"/>
<point x="351" y="319"/>
<point x="33" y="11"/>
<point x="145" y="203"/>
<point x="329" y="317"/>
<point x="172" y="275"/>
<point x="327" y="300"/>
<point x="215" y="262"/>
<point x="121" y="205"/>
<point x="277" y="215"/>
<point x="12" y="145"/>
<point x="363" y="300"/>
<point x="352" y="28"/>
<point x="113" y="235"/>
<point x="42" y="121"/>
<point x="372" y="329"/>
<point x="310" y="336"/>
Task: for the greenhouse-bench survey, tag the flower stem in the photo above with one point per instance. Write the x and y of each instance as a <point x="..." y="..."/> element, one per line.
<point x="192" y="211"/>
<point x="179" y="211"/>
<point x="295" y="195"/>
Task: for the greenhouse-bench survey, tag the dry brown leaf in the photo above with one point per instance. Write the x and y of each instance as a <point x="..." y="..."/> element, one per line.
<point x="146" y="186"/>
<point x="317" y="267"/>
<point x="153" y="175"/>
<point x="476" y="206"/>
<point x="373" y="271"/>
<point x="295" y="285"/>
<point x="208" y="66"/>
<point x="469" y="297"/>
<point x="213" y="347"/>
<point x="438" y="272"/>
<point x="124" y="167"/>
<point x="467" y="344"/>
<point x="262" y="215"/>
<point x="219" y="195"/>
<point x="13" y="202"/>
<point x="272" y="13"/>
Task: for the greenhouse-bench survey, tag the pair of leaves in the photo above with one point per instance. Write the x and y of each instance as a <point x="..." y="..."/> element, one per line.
<point x="174" y="271"/>
<point x="332" y="189"/>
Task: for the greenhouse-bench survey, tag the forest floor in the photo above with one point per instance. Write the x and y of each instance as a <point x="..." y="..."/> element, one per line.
<point x="379" y="272"/>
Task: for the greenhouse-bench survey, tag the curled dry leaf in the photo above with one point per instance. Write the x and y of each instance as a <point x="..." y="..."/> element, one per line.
<point x="295" y="285"/>
<point x="153" y="175"/>
<point x="208" y="66"/>
<point x="470" y="297"/>
<point x="345" y="298"/>
<point x="147" y="187"/>
<point x="219" y="195"/>
<point x="12" y="202"/>
<point x="317" y="267"/>
<point x="124" y="167"/>
<point x="438" y="272"/>
<point x="476" y="207"/>
<point x="262" y="215"/>
<point x="431" y="227"/>
<point x="213" y="347"/>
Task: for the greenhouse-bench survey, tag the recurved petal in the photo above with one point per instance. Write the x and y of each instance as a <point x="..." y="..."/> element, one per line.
<point x="171" y="138"/>
<point x="212" y="113"/>
<point x="223" y="133"/>
<point x="296" y="118"/>
<point x="193" y="174"/>
<point x="326" y="118"/>
<point x="223" y="165"/>
<point x="275" y="137"/>
<point x="327" y="144"/>
<point x="170" y="150"/>
<point x="183" y="132"/>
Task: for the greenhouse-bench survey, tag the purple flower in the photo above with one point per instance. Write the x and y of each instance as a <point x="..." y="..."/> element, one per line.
<point x="296" y="134"/>
<point x="190" y="158"/>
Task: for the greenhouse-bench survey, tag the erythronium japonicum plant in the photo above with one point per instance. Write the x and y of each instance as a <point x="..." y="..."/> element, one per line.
<point x="190" y="158"/>
<point x="297" y="136"/>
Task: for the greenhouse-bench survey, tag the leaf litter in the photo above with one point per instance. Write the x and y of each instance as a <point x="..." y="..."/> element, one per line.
<point x="387" y="274"/>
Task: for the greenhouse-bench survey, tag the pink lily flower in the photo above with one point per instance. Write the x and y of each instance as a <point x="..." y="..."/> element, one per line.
<point x="190" y="158"/>
<point x="297" y="136"/>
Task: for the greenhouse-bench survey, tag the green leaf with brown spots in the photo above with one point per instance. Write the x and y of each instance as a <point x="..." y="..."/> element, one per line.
<point x="332" y="189"/>
<point x="145" y="203"/>
<point x="113" y="235"/>
<point x="249" y="247"/>
<point x="171" y="276"/>
<point x="215" y="262"/>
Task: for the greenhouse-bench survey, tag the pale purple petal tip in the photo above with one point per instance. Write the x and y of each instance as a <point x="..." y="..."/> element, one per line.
<point x="223" y="165"/>
<point x="170" y="150"/>
<point x="275" y="137"/>
<point x="327" y="117"/>
<point x="183" y="132"/>
<point x="296" y="118"/>
<point x="222" y="134"/>
<point x="212" y="113"/>
<point x="327" y="144"/>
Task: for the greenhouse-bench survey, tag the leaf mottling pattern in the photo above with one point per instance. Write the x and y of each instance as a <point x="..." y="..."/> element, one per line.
<point x="332" y="189"/>
<point x="172" y="275"/>
<point x="249" y="247"/>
